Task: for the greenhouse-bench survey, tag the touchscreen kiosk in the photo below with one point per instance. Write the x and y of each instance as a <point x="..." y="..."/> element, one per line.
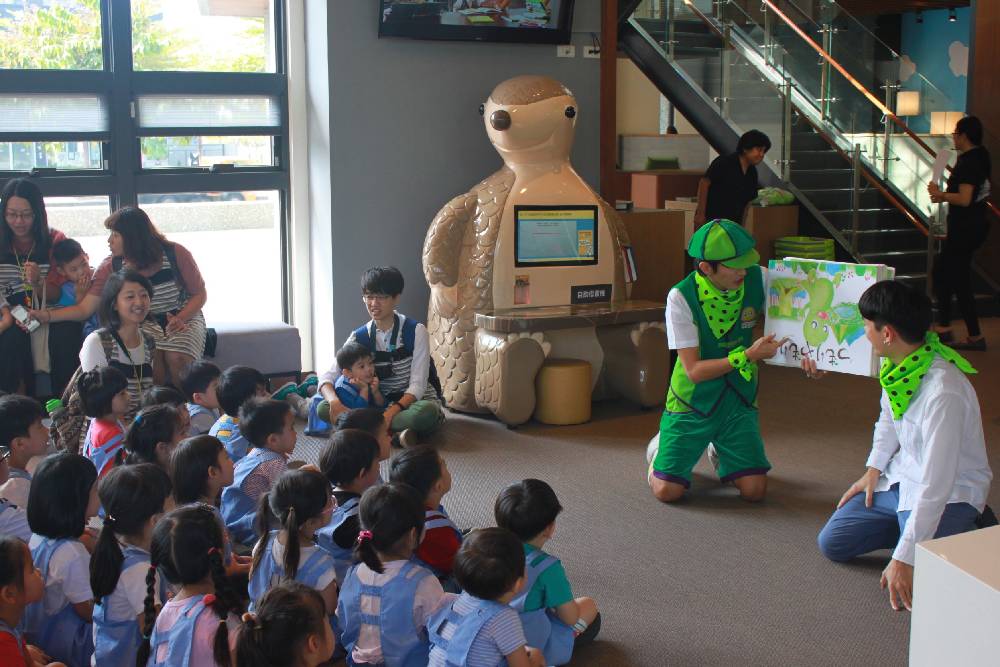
<point x="555" y="235"/>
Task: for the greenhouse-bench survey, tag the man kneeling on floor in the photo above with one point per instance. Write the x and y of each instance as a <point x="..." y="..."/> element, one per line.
<point x="927" y="472"/>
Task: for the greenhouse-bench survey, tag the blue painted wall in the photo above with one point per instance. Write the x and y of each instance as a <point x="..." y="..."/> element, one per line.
<point x="928" y="46"/>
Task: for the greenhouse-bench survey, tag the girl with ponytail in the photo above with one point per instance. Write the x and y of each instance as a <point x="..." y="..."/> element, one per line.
<point x="289" y="629"/>
<point x="392" y="518"/>
<point x="299" y="503"/>
<point x="153" y="435"/>
<point x="133" y="498"/>
<point x="198" y="625"/>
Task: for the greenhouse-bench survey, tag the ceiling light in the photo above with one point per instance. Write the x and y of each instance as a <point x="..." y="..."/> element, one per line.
<point x="952" y="16"/>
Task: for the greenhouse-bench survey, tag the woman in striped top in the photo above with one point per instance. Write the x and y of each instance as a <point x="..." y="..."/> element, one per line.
<point x="176" y="322"/>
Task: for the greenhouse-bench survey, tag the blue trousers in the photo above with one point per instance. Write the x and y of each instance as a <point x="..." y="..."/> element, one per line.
<point x="855" y="529"/>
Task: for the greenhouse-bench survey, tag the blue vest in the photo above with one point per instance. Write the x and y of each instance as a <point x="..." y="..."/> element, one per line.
<point x="227" y="430"/>
<point x="309" y="572"/>
<point x="14" y="521"/>
<point x="180" y="637"/>
<point x="117" y="641"/>
<point x="393" y="365"/>
<point x="403" y="645"/>
<point x="18" y="473"/>
<point x="467" y="628"/>
<point x="342" y="558"/>
<point x="542" y="628"/>
<point x="238" y="509"/>
<point x="194" y="409"/>
<point x="64" y="635"/>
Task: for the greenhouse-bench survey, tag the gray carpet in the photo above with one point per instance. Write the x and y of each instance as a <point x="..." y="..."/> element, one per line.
<point x="712" y="580"/>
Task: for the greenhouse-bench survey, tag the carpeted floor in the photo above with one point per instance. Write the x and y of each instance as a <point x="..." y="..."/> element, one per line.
<point x="712" y="580"/>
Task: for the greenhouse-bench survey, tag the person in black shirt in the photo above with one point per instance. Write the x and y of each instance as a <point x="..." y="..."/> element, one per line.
<point x="730" y="183"/>
<point x="967" y="190"/>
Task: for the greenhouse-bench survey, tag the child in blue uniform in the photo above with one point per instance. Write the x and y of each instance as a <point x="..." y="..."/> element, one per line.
<point x="349" y="461"/>
<point x="237" y="385"/>
<point x="553" y="619"/>
<point x="13" y="519"/>
<point x="133" y="498"/>
<point x="357" y="386"/>
<point x="198" y="625"/>
<point x="20" y="585"/>
<point x="153" y="435"/>
<point x="387" y="598"/>
<point x="479" y="629"/>
<point x="289" y="629"/>
<point x="63" y="497"/>
<point x="24" y="434"/>
<point x="269" y="426"/>
<point x="299" y="503"/>
<point x="200" y="384"/>
<point x="105" y="398"/>
<point x="370" y="421"/>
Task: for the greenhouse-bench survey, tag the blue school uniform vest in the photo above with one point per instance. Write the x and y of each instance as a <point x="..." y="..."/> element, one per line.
<point x="180" y="637"/>
<point x="194" y="410"/>
<point x="342" y="558"/>
<point x="227" y="430"/>
<point x="14" y="521"/>
<point x="542" y="628"/>
<point x="402" y="644"/>
<point x="467" y="628"/>
<point x="18" y="473"/>
<point x="64" y="635"/>
<point x="309" y="572"/>
<point x="238" y="509"/>
<point x="117" y="641"/>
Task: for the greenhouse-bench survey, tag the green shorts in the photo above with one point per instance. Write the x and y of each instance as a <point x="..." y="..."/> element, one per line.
<point x="733" y="428"/>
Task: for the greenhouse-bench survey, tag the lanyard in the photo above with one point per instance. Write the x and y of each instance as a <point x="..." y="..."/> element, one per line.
<point x="136" y="370"/>
<point x="392" y="338"/>
<point x="28" y="287"/>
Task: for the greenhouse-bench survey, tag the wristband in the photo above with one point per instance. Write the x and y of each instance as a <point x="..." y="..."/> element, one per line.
<point x="738" y="360"/>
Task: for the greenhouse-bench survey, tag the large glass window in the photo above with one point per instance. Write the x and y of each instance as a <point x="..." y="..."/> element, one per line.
<point x="206" y="151"/>
<point x="51" y="34"/>
<point x="82" y="218"/>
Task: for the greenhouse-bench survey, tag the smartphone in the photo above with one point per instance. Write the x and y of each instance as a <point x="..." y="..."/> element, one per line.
<point x="22" y="315"/>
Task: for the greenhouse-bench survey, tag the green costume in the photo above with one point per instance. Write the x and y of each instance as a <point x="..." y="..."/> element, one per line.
<point x="723" y="410"/>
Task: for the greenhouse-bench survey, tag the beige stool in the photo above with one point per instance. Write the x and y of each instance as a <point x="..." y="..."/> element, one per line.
<point x="563" y="388"/>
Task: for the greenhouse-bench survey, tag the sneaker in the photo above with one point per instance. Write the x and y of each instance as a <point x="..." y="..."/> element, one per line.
<point x="977" y="345"/>
<point x="284" y="390"/>
<point x="300" y="406"/>
<point x="713" y="457"/>
<point x="591" y="631"/>
<point x="308" y="386"/>
<point x="651" y="449"/>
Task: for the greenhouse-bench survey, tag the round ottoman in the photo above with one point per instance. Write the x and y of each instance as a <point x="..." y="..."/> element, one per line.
<point x="563" y="389"/>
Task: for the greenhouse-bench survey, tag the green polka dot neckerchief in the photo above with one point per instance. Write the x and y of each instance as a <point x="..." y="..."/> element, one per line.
<point x="721" y="307"/>
<point x="902" y="382"/>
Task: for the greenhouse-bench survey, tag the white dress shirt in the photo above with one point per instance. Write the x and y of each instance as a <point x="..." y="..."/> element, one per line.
<point x="936" y="453"/>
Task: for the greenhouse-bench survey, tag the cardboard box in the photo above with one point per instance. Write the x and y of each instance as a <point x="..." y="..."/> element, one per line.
<point x="659" y="241"/>
<point x="769" y="223"/>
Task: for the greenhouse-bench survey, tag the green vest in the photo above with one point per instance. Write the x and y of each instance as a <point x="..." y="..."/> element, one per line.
<point x="703" y="397"/>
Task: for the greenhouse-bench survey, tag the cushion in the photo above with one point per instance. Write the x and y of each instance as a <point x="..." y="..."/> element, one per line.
<point x="273" y="348"/>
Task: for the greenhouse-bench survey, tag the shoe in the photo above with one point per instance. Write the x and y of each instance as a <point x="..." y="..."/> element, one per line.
<point x="284" y="390"/>
<point x="651" y="449"/>
<point x="591" y="631"/>
<point x="987" y="518"/>
<point x="406" y="438"/>
<point x="300" y="406"/>
<point x="713" y="457"/>
<point x="308" y="386"/>
<point x="978" y="345"/>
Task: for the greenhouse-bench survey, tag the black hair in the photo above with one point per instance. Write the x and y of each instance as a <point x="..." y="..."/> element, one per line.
<point x="420" y="467"/>
<point x="153" y="425"/>
<point x="17" y="414"/>
<point x="189" y="466"/>
<point x="197" y="377"/>
<point x="25" y="189"/>
<point x="130" y="496"/>
<point x="13" y="558"/>
<point x="889" y="302"/>
<point x="352" y="353"/>
<point x="714" y="263"/>
<point x="369" y="420"/>
<point x="347" y="454"/>
<point x="296" y="497"/>
<point x="972" y="128"/>
<point x="526" y="508"/>
<point x="65" y="251"/>
<point x="382" y="280"/>
<point x="187" y="547"/>
<point x="142" y="243"/>
<point x="97" y="388"/>
<point x="106" y="311"/>
<point x="238" y="384"/>
<point x="163" y="395"/>
<point x="60" y="493"/>
<point x="262" y="417"/>
<point x="286" y="616"/>
<point x="389" y="512"/>
<point x="489" y="563"/>
<point x="753" y="139"/>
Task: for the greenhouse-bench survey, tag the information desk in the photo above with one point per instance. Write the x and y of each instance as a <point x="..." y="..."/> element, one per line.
<point x="625" y="343"/>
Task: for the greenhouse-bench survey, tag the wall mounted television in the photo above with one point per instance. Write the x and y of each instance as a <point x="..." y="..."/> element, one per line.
<point x="538" y="21"/>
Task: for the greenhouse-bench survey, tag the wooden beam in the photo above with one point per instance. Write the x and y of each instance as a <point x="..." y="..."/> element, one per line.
<point x="608" y="97"/>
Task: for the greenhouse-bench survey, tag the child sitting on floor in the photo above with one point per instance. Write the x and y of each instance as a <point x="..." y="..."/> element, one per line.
<point x="13" y="519"/>
<point x="479" y="629"/>
<point x="200" y="384"/>
<point x="357" y="386"/>
<point x="153" y="436"/>
<point x="25" y="436"/>
<point x="289" y="629"/>
<point x="20" y="585"/>
<point x="372" y="421"/>
<point x="237" y="385"/>
<point x="105" y="398"/>
<point x="269" y="426"/>
<point x="553" y="619"/>
<point x="166" y="395"/>
<point x="424" y="469"/>
<point x="407" y="593"/>
<point x="350" y="463"/>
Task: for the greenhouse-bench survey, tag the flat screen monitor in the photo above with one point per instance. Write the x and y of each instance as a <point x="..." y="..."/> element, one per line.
<point x="555" y="235"/>
<point x="540" y="21"/>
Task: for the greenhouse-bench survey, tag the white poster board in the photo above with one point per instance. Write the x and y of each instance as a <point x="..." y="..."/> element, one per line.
<point x="814" y="304"/>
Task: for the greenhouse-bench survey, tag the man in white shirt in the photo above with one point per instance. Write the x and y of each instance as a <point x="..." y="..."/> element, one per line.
<point x="927" y="475"/>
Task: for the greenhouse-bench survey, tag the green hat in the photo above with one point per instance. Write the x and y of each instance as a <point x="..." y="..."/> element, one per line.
<point x="726" y="242"/>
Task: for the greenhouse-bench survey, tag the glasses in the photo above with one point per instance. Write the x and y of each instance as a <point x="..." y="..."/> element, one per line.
<point x="20" y="215"/>
<point x="369" y="298"/>
<point x="5" y="453"/>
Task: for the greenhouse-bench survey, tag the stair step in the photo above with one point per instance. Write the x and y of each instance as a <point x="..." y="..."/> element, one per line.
<point x="817" y="159"/>
<point x="808" y="141"/>
<point x="839" y="198"/>
<point x="820" y="179"/>
<point x="893" y="254"/>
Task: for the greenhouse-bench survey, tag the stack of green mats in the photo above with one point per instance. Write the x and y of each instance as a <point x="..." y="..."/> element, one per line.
<point x="804" y="247"/>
